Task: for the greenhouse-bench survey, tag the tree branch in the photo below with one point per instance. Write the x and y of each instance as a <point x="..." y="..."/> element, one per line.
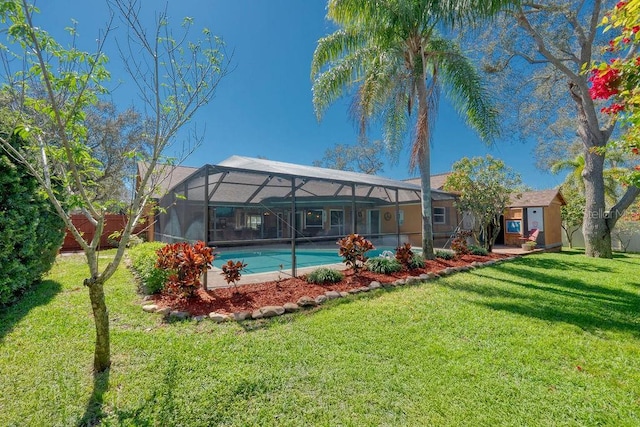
<point x="618" y="209"/>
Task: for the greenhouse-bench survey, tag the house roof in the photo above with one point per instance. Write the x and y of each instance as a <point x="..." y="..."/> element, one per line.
<point x="246" y="180"/>
<point x="437" y="180"/>
<point x="251" y="180"/>
<point x="537" y="198"/>
<point x="165" y="177"/>
<point x="292" y="169"/>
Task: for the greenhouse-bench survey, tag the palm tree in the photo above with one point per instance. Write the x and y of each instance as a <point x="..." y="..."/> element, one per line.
<point x="574" y="179"/>
<point x="391" y="52"/>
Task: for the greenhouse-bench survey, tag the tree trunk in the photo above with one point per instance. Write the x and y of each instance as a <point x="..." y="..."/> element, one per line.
<point x="427" y="227"/>
<point x="102" y="353"/>
<point x="494" y="236"/>
<point x="486" y="241"/>
<point x="421" y="147"/>
<point x="595" y="228"/>
<point x="569" y="237"/>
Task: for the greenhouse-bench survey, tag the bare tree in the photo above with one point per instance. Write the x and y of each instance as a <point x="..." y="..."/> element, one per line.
<point x="111" y="135"/>
<point x="175" y="77"/>
<point x="365" y="157"/>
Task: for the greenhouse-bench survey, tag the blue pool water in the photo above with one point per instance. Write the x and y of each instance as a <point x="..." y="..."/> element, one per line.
<point x="265" y="260"/>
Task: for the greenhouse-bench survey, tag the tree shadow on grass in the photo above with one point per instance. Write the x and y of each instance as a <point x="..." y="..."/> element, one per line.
<point x="93" y="412"/>
<point x="559" y="264"/>
<point x="624" y="259"/>
<point x="160" y="407"/>
<point x="544" y="279"/>
<point x="40" y="294"/>
<point x="166" y="404"/>
<point x="540" y="294"/>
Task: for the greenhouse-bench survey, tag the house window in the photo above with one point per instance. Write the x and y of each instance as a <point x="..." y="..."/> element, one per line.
<point x="439" y="215"/>
<point x="313" y="218"/>
<point x="337" y="218"/>
<point x="253" y="222"/>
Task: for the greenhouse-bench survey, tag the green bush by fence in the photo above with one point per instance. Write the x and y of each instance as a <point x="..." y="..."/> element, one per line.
<point x="143" y="261"/>
<point x="31" y="231"/>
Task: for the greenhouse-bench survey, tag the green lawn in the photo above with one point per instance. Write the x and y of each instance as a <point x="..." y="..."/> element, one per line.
<point x="550" y="339"/>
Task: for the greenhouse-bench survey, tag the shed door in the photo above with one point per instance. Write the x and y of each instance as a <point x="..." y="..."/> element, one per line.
<point x="535" y="219"/>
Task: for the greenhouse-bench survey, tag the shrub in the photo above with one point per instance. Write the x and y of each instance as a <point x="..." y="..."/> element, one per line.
<point x="459" y="242"/>
<point x="478" y="250"/>
<point x="383" y="265"/>
<point x="113" y="239"/>
<point x="143" y="262"/>
<point x="135" y="240"/>
<point x="404" y="255"/>
<point x="232" y="271"/>
<point x="445" y="254"/>
<point x="184" y="264"/>
<point x="353" y="249"/>
<point x="324" y="275"/>
<point x="416" y="262"/>
<point x="30" y="229"/>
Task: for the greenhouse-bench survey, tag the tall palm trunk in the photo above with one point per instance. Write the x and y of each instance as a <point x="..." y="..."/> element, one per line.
<point x="424" y="163"/>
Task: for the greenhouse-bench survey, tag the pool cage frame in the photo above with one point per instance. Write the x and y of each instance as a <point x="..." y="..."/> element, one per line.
<point x="247" y="201"/>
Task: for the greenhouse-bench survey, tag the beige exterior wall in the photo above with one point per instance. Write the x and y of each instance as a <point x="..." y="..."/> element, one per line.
<point x="411" y="227"/>
<point x="514" y="214"/>
<point x="553" y="224"/>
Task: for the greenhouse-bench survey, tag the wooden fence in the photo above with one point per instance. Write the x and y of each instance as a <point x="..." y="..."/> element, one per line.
<point x="113" y="222"/>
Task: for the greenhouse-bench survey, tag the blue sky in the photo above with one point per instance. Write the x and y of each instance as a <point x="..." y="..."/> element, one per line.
<point x="264" y="108"/>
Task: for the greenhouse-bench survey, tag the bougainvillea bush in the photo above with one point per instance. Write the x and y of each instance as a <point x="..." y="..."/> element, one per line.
<point x="185" y="264"/>
<point x="618" y="80"/>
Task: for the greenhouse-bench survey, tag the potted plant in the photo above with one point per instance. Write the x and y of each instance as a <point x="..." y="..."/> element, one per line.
<point x="529" y="246"/>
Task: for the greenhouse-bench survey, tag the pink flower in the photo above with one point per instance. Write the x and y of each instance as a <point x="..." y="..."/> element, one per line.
<point x="604" y="83"/>
<point x="613" y="109"/>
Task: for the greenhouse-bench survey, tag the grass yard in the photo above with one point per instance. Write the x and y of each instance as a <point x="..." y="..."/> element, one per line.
<point x="549" y="339"/>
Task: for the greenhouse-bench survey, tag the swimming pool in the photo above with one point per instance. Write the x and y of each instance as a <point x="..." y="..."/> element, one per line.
<point x="265" y="260"/>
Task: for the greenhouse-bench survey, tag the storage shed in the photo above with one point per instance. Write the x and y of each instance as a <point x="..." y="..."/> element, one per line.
<point x="532" y="210"/>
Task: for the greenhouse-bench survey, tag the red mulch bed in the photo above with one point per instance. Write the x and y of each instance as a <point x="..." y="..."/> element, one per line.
<point x="253" y="296"/>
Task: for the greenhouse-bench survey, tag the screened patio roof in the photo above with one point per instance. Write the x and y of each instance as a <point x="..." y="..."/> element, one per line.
<point x="250" y="181"/>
